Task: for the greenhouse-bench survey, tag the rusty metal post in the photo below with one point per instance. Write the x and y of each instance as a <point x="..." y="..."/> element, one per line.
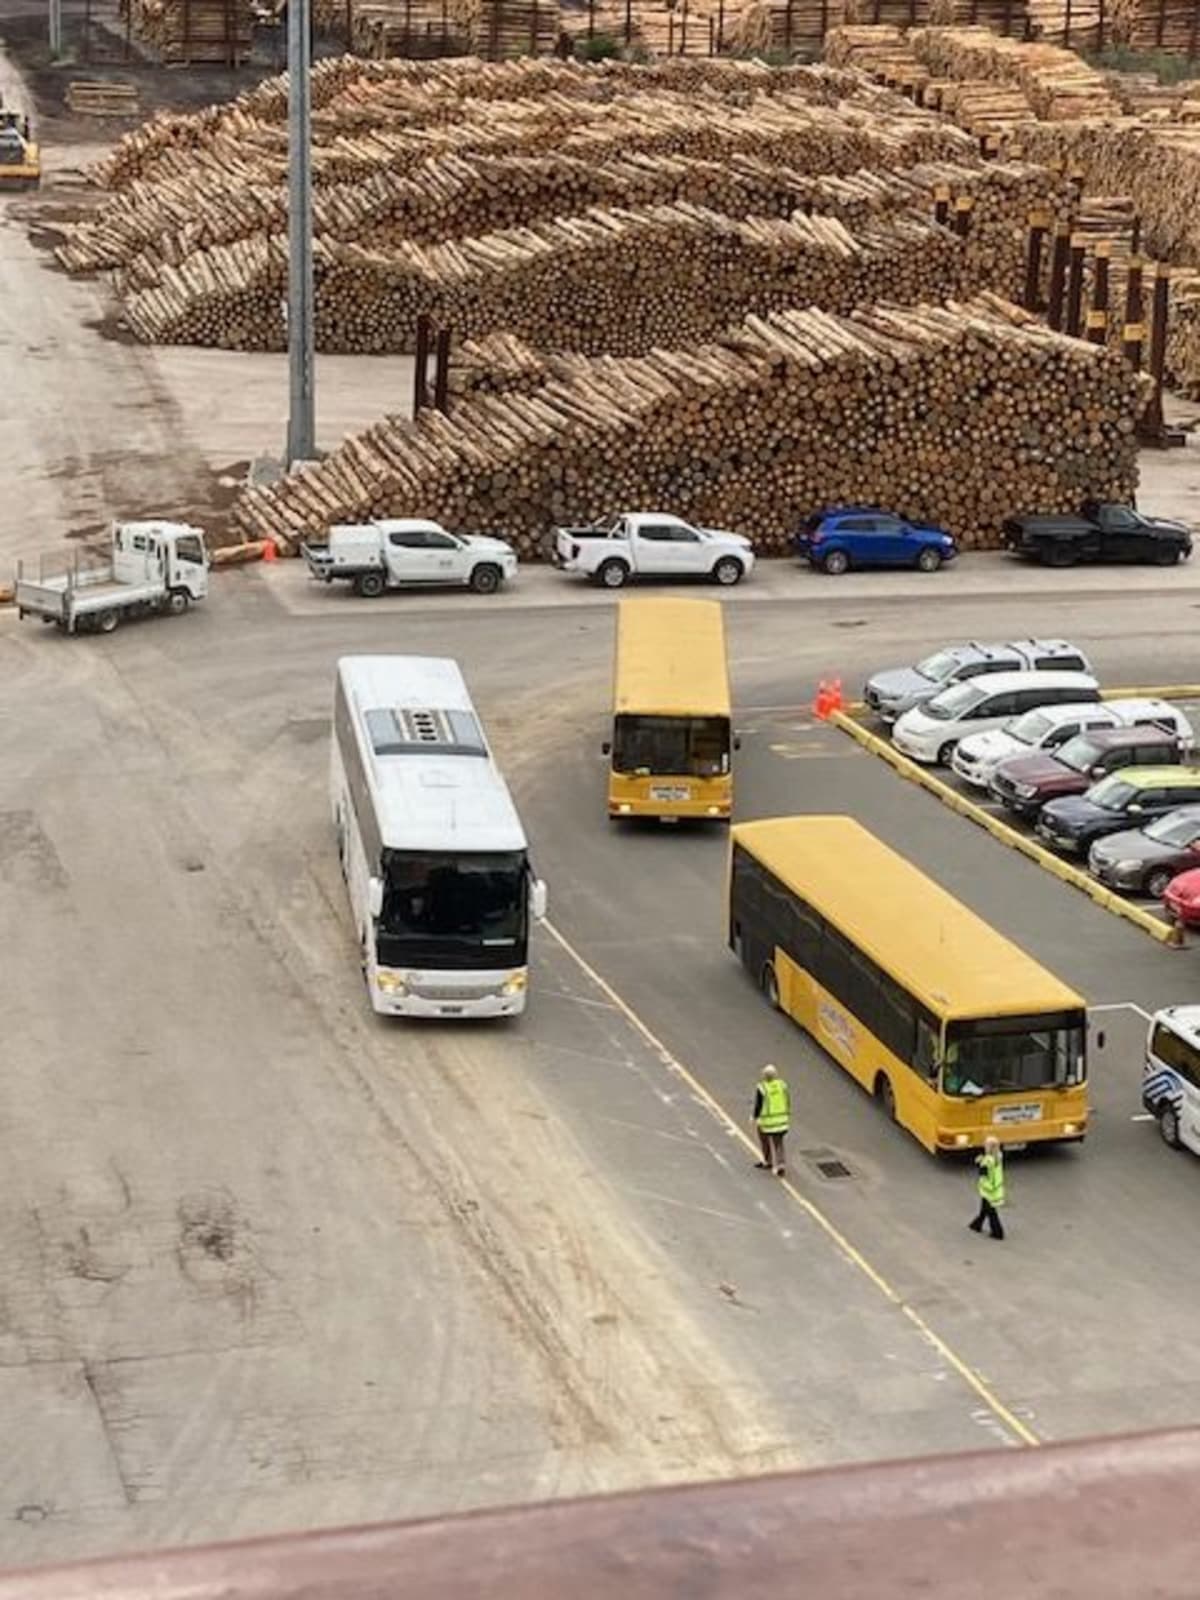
<point x="941" y="204"/>
<point x="591" y="33"/>
<point x="1039" y="226"/>
<point x="1097" y="317"/>
<point x="963" y="207"/>
<point x="441" y="371"/>
<point x="1153" y="422"/>
<point x="1133" y="334"/>
<point x="1058" y="275"/>
<point x="628" y="23"/>
<point x="720" y="25"/>
<point x="683" y="30"/>
<point x="421" y="366"/>
<point x="787" y="26"/>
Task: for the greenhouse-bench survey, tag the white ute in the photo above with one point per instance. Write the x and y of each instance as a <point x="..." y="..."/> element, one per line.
<point x="155" y="566"/>
<point x="652" y="544"/>
<point x="399" y="552"/>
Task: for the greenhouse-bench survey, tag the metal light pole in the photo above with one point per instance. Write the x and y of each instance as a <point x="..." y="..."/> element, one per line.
<point x="56" y="28"/>
<point x="300" y="440"/>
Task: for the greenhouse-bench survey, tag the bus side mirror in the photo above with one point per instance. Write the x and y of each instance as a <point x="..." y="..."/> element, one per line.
<point x="1100" y="1040"/>
<point x="737" y="743"/>
<point x="538" y="899"/>
<point x="375" y="896"/>
<point x="606" y="748"/>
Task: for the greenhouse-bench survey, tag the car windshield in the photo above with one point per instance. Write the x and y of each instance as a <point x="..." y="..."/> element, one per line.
<point x="696" y="747"/>
<point x="939" y="667"/>
<point x="453" y="910"/>
<point x="1112" y="794"/>
<point x="1032" y="728"/>
<point x="1174" y="829"/>
<point x="1006" y="1053"/>
<point x="955" y="701"/>
<point x="1079" y="753"/>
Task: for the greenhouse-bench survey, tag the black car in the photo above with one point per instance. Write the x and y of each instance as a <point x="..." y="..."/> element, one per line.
<point x="1144" y="860"/>
<point x="1125" y="799"/>
<point x="1099" y="533"/>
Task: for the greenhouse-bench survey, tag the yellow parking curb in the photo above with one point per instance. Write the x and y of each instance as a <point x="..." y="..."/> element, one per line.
<point x="1164" y="932"/>
<point x="1172" y="691"/>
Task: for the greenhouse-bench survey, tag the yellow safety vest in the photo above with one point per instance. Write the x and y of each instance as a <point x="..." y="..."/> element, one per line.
<point x="991" y="1179"/>
<point x="776" y="1106"/>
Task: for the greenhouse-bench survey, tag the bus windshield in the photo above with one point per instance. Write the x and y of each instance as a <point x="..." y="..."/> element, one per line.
<point x="437" y="906"/>
<point x="696" y="746"/>
<point x="1001" y="1053"/>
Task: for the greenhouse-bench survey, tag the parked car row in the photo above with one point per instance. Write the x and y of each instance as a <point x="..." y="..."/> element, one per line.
<point x="403" y="552"/>
<point x="1113" y="782"/>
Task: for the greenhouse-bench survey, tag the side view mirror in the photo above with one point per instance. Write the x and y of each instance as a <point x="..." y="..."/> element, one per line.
<point x="1100" y="1040"/>
<point x="538" y="899"/>
<point x="1097" y="772"/>
<point x="737" y="743"/>
<point x="606" y="748"/>
<point x="1135" y="810"/>
<point x="375" y="896"/>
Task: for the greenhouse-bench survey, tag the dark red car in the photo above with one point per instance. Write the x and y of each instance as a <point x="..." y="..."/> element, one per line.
<point x="1182" y="898"/>
<point x="1023" y="784"/>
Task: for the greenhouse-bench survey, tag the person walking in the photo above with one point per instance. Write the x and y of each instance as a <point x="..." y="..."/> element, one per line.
<point x="772" y="1116"/>
<point x="991" y="1188"/>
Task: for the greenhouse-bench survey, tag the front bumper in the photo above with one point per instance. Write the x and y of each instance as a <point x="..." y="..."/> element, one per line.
<point x="976" y="773"/>
<point x="450" y="994"/>
<point x="1057" y="839"/>
<point x="921" y="746"/>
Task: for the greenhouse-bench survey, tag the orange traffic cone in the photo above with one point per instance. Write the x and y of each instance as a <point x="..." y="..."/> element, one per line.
<point x="835" y="697"/>
<point x="820" y="703"/>
<point x="269" y="550"/>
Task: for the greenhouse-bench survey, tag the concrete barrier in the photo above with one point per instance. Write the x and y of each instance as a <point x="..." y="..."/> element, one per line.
<point x="1164" y="932"/>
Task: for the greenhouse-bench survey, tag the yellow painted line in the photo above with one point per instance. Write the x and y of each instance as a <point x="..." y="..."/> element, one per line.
<point x="1164" y="932"/>
<point x="1019" y="1430"/>
<point x="1170" y="691"/>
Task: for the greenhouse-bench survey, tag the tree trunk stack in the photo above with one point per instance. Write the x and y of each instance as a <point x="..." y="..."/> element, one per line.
<point x="194" y="32"/>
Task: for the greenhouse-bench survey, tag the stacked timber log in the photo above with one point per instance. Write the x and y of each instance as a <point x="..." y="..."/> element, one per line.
<point x="1171" y="25"/>
<point x="765" y="25"/>
<point x="194" y="32"/>
<point x="961" y="415"/>
<point x="383" y="28"/>
<point x="1183" y="334"/>
<point x="609" y="282"/>
<point x="1059" y="86"/>
<point x="498" y="29"/>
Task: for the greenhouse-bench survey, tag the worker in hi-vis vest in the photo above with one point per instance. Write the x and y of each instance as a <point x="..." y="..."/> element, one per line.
<point x="991" y="1188"/>
<point x="772" y="1114"/>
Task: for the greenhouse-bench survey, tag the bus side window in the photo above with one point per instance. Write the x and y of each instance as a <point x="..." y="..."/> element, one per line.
<point x="897" y="1020"/>
<point x="926" y="1059"/>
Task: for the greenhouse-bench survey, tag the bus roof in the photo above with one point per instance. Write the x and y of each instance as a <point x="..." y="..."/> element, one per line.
<point x="671" y="659"/>
<point x="945" y="955"/>
<point x="433" y="781"/>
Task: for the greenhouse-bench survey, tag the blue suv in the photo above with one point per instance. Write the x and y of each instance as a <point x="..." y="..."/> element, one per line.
<point x="863" y="536"/>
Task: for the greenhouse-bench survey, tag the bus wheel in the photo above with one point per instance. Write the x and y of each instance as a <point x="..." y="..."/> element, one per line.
<point x="886" y="1096"/>
<point x="1168" y="1126"/>
<point x="770" y="984"/>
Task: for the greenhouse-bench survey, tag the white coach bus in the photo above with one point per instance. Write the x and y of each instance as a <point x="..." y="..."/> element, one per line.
<point x="432" y="849"/>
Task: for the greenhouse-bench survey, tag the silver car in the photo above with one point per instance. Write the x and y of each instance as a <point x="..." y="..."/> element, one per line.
<point x="898" y="689"/>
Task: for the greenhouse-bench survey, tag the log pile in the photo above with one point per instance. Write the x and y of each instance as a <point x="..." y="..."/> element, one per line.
<point x="1059" y="86"/>
<point x="383" y="28"/>
<point x="609" y="282"/>
<point x="1171" y="25"/>
<point x="498" y="29"/>
<point x="194" y="32"/>
<point x="1183" y="335"/>
<point x="765" y="25"/>
<point x="961" y="415"/>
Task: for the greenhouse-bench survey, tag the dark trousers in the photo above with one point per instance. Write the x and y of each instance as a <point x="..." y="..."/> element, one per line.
<point x="988" y="1214"/>
<point x="772" y="1148"/>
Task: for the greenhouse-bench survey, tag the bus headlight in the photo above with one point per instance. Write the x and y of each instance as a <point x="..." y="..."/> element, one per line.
<point x="390" y="982"/>
<point x="625" y="807"/>
<point x="517" y="984"/>
<point x="962" y="1138"/>
<point x="1070" y="1127"/>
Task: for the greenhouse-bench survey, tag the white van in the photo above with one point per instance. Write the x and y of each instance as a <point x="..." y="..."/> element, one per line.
<point x="930" y="732"/>
<point x="1171" y="1076"/>
<point x="978" y="755"/>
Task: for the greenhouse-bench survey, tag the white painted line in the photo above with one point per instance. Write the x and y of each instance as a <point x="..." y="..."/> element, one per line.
<point x="1144" y="1116"/>
<point x="1123" y="1005"/>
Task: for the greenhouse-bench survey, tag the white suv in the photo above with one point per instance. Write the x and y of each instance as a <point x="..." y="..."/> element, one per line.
<point x="977" y="756"/>
<point x="930" y="732"/>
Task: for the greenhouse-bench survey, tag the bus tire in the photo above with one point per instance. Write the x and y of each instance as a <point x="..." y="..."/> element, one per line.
<point x="1168" y="1126"/>
<point x="886" y="1096"/>
<point x="769" y="984"/>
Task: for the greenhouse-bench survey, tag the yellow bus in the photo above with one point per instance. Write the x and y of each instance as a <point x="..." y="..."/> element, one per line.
<point x="670" y="754"/>
<point x="954" y="1030"/>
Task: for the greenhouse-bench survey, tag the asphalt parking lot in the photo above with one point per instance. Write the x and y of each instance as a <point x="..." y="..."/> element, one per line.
<point x="272" y="1262"/>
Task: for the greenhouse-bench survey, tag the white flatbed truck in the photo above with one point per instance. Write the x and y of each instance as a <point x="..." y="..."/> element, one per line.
<point x="155" y="566"/>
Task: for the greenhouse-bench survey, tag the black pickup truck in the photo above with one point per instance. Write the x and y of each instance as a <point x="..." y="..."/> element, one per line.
<point x="1099" y="533"/>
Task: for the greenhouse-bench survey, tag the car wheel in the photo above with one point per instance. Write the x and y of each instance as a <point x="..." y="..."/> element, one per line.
<point x="370" y="585"/>
<point x="727" y="572"/>
<point x="1157" y="881"/>
<point x="485" y="579"/>
<point x="1059" y="555"/>
<point x="835" y="563"/>
<point x="886" y="1096"/>
<point x="929" y="560"/>
<point x="612" y="574"/>
<point x="107" y="622"/>
<point x="944" y="755"/>
<point x="1168" y="1126"/>
<point x="1166" y="557"/>
<point x="769" y="984"/>
<point x="178" y="601"/>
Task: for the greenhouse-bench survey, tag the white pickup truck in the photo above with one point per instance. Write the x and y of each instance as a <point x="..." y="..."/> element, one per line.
<point x="651" y="544"/>
<point x="155" y="566"/>
<point x="396" y="552"/>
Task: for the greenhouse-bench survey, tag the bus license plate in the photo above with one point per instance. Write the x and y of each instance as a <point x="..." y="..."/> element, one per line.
<point x="1026" y="1113"/>
<point x="670" y="791"/>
